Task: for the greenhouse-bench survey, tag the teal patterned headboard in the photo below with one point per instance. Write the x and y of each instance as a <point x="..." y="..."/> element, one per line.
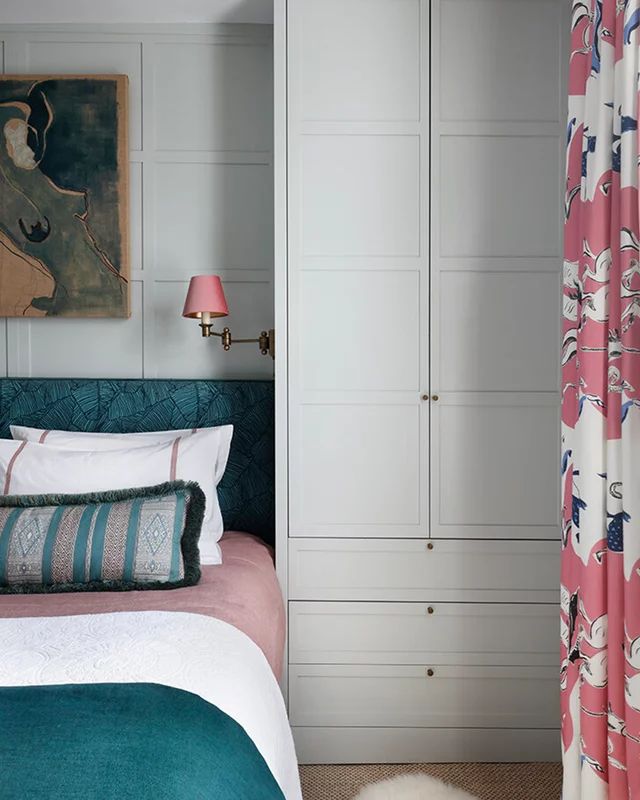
<point x="121" y="406"/>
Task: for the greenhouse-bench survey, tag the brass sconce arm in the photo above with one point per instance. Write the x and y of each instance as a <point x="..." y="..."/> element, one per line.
<point x="265" y="342"/>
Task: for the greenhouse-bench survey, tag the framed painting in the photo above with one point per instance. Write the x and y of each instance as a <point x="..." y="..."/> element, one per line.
<point x="64" y="196"/>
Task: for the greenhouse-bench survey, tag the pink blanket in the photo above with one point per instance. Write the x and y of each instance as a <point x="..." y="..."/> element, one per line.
<point x="242" y="591"/>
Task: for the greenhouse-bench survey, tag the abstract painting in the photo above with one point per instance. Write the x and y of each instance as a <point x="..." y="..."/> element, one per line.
<point x="64" y="196"/>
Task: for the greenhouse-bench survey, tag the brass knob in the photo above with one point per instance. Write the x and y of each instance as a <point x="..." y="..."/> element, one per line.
<point x="430" y="673"/>
<point x="435" y="397"/>
<point x="430" y="610"/>
<point x="425" y="396"/>
<point x="429" y="545"/>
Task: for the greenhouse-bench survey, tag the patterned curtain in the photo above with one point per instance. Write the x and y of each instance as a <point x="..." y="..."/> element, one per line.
<point x="601" y="408"/>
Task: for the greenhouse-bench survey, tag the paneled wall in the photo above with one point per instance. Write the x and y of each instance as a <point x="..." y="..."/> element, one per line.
<point x="200" y="127"/>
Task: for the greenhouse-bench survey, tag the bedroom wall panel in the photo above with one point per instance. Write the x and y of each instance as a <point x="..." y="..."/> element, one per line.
<point x="136" y="214"/>
<point x="224" y="91"/>
<point x="201" y="184"/>
<point x="3" y="348"/>
<point x="248" y="301"/>
<point x="228" y="221"/>
<point x="38" y="348"/>
<point x="72" y="57"/>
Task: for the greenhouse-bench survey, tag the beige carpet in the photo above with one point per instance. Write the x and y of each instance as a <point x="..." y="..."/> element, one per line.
<point x="487" y="781"/>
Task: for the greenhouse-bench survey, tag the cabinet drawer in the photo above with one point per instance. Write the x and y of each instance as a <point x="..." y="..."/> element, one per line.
<point x="420" y="745"/>
<point x="416" y="633"/>
<point x="396" y="696"/>
<point x="385" y="569"/>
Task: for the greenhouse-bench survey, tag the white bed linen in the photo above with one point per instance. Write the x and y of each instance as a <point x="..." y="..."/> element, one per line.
<point x="195" y="653"/>
<point x="34" y="468"/>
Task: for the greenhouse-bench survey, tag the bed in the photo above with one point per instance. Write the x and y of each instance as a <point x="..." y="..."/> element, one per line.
<point x="170" y="693"/>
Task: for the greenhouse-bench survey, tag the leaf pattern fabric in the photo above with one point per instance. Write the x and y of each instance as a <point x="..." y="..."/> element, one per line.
<point x="246" y="493"/>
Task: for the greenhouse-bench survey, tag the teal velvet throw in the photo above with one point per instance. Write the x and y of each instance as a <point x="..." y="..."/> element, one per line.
<point x="124" y="742"/>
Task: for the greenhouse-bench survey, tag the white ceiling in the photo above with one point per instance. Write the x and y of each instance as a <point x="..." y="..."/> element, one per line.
<point x="123" y="11"/>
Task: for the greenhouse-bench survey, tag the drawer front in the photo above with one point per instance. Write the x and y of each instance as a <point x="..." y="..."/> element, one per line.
<point x="417" y="745"/>
<point x="417" y="633"/>
<point x="456" y="571"/>
<point x="396" y="696"/>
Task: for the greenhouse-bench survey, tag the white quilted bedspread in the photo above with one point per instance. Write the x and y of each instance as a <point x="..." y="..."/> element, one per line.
<point x="199" y="654"/>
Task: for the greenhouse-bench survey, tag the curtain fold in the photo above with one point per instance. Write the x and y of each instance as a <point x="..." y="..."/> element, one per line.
<point x="600" y="592"/>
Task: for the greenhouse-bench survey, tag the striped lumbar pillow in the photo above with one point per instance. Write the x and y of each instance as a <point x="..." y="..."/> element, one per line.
<point x="127" y="539"/>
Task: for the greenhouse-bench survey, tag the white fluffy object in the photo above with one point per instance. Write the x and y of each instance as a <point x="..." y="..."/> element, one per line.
<point x="413" y="787"/>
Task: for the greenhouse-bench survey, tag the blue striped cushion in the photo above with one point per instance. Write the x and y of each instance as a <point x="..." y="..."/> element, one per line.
<point x="129" y="539"/>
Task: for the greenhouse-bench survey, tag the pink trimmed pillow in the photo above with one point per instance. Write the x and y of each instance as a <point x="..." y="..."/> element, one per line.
<point x="28" y="467"/>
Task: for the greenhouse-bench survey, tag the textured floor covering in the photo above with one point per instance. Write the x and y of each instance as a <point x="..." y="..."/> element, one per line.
<point x="487" y="781"/>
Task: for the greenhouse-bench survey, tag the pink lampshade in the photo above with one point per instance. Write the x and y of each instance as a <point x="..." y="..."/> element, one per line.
<point x="205" y="295"/>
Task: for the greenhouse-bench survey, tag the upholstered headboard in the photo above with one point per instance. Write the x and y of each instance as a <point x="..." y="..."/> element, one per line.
<point x="121" y="406"/>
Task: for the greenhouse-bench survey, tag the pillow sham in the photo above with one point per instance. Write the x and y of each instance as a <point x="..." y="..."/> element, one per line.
<point x="32" y="468"/>
<point x="106" y="541"/>
<point x="85" y="440"/>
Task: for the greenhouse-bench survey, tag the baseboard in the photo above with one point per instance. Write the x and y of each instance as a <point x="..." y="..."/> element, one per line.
<point x="423" y="745"/>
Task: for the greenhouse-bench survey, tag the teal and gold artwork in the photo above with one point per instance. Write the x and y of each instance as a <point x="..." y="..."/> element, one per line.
<point x="64" y="196"/>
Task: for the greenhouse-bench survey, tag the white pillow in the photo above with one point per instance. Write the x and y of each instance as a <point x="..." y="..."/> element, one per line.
<point x="83" y="440"/>
<point x="33" y="468"/>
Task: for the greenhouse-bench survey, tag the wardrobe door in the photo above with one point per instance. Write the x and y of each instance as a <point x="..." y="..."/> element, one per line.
<point x="358" y="267"/>
<point x="496" y="240"/>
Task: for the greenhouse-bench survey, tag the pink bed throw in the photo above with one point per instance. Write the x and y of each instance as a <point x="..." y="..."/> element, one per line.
<point x="242" y="591"/>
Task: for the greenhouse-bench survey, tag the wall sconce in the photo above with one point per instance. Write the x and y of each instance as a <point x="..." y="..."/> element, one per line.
<point x="206" y="300"/>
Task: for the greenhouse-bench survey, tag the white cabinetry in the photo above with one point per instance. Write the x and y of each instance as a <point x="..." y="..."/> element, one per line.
<point x="423" y="247"/>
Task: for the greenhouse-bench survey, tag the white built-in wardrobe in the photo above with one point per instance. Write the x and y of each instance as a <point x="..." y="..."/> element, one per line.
<point x="418" y="255"/>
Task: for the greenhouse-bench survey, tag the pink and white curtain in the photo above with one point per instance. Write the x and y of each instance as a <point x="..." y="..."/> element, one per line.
<point x="601" y="408"/>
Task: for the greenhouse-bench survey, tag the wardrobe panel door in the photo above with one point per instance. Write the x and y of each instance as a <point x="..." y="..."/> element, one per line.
<point x="499" y="331"/>
<point x="352" y="353"/>
<point x="509" y="70"/>
<point x="358" y="267"/>
<point x="361" y="467"/>
<point x="498" y="196"/>
<point x="497" y="159"/>
<point x="497" y="467"/>
<point x="360" y="195"/>
<point x="361" y="60"/>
